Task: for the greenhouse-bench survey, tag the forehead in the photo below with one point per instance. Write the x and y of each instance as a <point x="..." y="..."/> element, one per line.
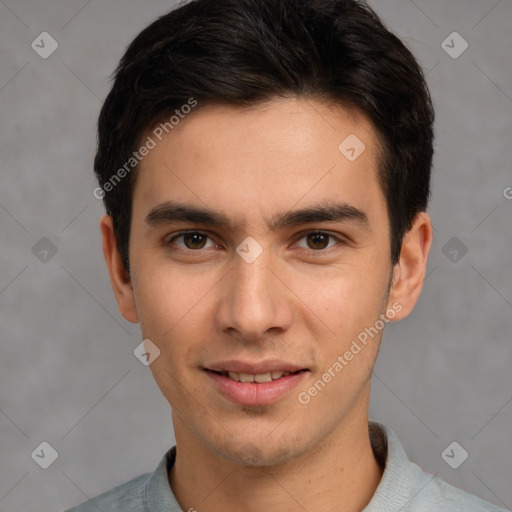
<point x="264" y="158"/>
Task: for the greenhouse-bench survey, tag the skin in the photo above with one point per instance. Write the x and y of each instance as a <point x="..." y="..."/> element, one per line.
<point x="300" y="301"/>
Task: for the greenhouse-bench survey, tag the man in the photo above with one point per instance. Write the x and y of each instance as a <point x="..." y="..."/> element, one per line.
<point x="265" y="168"/>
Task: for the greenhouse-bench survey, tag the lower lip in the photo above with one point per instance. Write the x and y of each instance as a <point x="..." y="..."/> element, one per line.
<point x="252" y="393"/>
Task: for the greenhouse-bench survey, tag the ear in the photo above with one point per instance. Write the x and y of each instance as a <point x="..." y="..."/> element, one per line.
<point x="119" y="279"/>
<point x="409" y="272"/>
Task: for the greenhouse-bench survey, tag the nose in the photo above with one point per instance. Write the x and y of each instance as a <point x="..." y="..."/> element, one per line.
<point x="254" y="301"/>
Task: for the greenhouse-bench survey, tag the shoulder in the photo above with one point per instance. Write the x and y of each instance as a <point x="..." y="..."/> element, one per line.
<point x="405" y="487"/>
<point x="436" y="494"/>
<point x="127" y="497"/>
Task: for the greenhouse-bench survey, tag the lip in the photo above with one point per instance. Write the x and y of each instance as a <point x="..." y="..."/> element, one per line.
<point x="271" y="365"/>
<point x="252" y="393"/>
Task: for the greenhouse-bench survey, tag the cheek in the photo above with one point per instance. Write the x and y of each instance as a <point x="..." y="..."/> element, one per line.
<point x="176" y="313"/>
<point x="345" y="298"/>
<point x="172" y="315"/>
<point x="168" y="298"/>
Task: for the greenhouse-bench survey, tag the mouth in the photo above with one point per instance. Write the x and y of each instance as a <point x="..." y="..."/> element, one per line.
<point x="258" y="378"/>
<point x="258" y="385"/>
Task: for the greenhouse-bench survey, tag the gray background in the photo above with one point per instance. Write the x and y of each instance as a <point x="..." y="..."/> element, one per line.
<point x="68" y="374"/>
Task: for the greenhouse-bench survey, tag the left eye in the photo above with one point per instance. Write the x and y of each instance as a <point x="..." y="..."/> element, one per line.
<point x="317" y="240"/>
<point x="195" y="240"/>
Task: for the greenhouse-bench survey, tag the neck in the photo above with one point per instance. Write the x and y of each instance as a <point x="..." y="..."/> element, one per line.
<point x="339" y="472"/>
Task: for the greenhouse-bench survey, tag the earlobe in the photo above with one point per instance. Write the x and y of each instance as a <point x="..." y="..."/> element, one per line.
<point x="409" y="271"/>
<point x="119" y="279"/>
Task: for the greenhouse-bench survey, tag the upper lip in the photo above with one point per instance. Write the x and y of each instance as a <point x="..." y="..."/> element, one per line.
<point x="238" y="366"/>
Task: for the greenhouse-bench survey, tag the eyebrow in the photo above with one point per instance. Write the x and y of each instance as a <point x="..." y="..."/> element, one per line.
<point x="173" y="212"/>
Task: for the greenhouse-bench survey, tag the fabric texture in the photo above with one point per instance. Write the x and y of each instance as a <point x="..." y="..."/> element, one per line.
<point x="404" y="486"/>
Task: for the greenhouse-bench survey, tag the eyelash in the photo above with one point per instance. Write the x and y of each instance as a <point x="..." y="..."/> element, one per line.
<point x="317" y="252"/>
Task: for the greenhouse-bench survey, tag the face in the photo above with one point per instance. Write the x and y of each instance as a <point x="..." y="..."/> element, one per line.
<point x="259" y="247"/>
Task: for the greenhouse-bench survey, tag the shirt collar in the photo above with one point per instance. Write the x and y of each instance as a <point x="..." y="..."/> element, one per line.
<point x="401" y="480"/>
<point x="158" y="495"/>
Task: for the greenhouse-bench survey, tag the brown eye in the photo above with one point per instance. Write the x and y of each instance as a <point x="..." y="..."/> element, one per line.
<point x="192" y="240"/>
<point x="318" y="241"/>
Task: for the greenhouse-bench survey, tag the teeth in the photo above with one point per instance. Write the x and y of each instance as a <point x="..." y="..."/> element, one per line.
<point x="261" y="377"/>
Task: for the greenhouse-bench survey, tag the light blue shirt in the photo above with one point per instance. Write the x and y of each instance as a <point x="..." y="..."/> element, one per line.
<point x="404" y="486"/>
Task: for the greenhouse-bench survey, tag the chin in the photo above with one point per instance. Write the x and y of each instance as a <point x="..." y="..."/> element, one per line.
<point x="260" y="452"/>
